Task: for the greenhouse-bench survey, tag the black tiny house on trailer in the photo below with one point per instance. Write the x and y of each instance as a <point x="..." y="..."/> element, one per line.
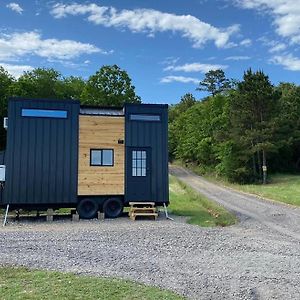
<point x="61" y="154"/>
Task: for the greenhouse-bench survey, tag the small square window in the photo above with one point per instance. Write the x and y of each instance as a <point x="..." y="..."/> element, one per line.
<point x="102" y="157"/>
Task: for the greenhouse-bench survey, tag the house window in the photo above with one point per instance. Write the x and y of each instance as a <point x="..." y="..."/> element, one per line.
<point x="102" y="157"/>
<point x="140" y="117"/>
<point x="139" y="163"/>
<point x="44" y="113"/>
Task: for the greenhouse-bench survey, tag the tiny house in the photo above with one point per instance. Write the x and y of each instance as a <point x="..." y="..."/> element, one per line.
<point x="63" y="154"/>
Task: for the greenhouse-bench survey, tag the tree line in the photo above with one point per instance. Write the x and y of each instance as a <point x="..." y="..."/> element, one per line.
<point x="242" y="131"/>
<point x="109" y="86"/>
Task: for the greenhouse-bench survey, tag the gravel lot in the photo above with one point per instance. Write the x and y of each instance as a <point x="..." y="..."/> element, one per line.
<point x="259" y="258"/>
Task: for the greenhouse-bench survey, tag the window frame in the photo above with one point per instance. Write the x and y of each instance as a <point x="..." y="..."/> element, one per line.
<point x="145" y="117"/>
<point x="101" y="150"/>
<point x="134" y="163"/>
<point x="44" y="113"/>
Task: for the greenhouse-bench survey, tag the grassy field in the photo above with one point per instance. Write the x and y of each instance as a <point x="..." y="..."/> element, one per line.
<point x="20" y="283"/>
<point x="282" y="187"/>
<point x="184" y="201"/>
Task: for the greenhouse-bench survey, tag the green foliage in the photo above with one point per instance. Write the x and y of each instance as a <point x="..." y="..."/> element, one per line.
<point x="201" y="211"/>
<point x="215" y="82"/>
<point x="21" y="283"/>
<point x="38" y="83"/>
<point x="282" y="187"/>
<point x="109" y="86"/>
<point x="237" y="133"/>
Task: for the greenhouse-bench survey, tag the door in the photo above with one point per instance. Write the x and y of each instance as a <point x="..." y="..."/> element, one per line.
<point x="138" y="174"/>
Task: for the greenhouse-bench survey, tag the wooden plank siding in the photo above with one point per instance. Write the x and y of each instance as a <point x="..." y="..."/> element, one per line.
<point x="100" y="132"/>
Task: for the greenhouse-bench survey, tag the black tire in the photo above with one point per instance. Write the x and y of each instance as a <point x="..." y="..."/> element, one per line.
<point x="87" y="208"/>
<point x="113" y="208"/>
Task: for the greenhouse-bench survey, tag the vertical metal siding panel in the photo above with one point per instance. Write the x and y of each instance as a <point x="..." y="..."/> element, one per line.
<point x="39" y="163"/>
<point x="22" y="180"/>
<point x="59" y="162"/>
<point x="52" y="160"/>
<point x="154" y="135"/>
<point x="31" y="160"/>
<point x="67" y="159"/>
<point x="46" y="161"/>
<point x="34" y="146"/>
<point x="154" y="162"/>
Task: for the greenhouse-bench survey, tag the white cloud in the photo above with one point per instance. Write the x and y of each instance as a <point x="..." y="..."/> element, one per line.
<point x="195" y="67"/>
<point x="150" y="21"/>
<point x="286" y="15"/>
<point x="274" y="46"/>
<point x="16" y="70"/>
<point x="246" y="43"/>
<point x="288" y="61"/>
<point x="16" y="45"/>
<point x="237" y="58"/>
<point x="170" y="60"/>
<point x="277" y="48"/>
<point x="182" y="79"/>
<point x="15" y="7"/>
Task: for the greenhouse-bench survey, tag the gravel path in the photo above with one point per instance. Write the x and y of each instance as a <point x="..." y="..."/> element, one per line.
<point x="256" y="259"/>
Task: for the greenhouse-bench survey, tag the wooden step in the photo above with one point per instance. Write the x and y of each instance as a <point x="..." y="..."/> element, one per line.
<point x="134" y="215"/>
<point x="141" y="203"/>
<point x="142" y="208"/>
<point x="145" y="214"/>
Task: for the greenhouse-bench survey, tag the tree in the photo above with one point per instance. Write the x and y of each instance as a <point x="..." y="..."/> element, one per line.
<point x="6" y="81"/>
<point x="214" y="82"/>
<point x="186" y="101"/>
<point x="109" y="86"/>
<point x="38" y="83"/>
<point x="70" y="88"/>
<point x="288" y="128"/>
<point x="252" y="124"/>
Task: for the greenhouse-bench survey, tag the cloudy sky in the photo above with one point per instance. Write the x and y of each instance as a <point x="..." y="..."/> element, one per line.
<point x="165" y="46"/>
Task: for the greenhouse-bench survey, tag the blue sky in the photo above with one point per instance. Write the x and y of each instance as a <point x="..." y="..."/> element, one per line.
<point x="165" y="46"/>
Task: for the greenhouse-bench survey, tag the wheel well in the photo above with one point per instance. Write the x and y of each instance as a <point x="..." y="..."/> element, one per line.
<point x="100" y="199"/>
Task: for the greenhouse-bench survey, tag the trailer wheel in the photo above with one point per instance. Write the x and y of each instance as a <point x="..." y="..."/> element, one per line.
<point x="87" y="208"/>
<point x="113" y="207"/>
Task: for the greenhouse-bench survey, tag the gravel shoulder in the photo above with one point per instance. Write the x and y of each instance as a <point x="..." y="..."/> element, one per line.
<point x="256" y="259"/>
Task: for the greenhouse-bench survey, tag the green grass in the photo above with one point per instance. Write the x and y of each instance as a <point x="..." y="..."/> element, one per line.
<point x="282" y="187"/>
<point x="21" y="283"/>
<point x="184" y="201"/>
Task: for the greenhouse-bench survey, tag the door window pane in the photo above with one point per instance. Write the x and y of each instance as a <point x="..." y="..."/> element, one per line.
<point x="139" y="163"/>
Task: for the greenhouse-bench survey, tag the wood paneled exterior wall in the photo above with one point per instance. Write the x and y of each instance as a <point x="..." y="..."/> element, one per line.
<point x="101" y="132"/>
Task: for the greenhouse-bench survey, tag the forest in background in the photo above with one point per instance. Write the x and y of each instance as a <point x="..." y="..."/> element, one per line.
<point x="242" y="131"/>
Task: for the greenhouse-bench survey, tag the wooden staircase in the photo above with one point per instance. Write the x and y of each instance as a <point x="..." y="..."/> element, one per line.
<point x="142" y="209"/>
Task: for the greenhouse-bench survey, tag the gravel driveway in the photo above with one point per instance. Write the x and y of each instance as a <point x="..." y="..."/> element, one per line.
<point x="256" y="259"/>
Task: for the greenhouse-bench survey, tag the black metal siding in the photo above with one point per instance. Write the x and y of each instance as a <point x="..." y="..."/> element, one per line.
<point x="42" y="154"/>
<point x="154" y="135"/>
